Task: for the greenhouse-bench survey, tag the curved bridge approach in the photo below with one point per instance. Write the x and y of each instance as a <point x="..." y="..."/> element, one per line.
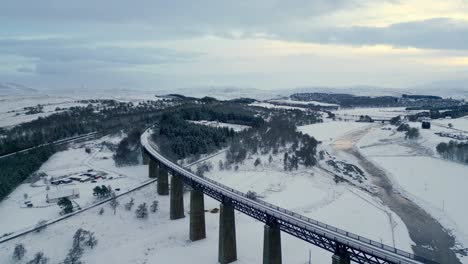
<point x="345" y="245"/>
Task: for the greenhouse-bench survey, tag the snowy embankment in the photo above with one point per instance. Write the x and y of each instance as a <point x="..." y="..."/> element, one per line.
<point x="437" y="185"/>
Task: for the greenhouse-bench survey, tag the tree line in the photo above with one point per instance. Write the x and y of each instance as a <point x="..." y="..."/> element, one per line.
<point x="455" y="151"/>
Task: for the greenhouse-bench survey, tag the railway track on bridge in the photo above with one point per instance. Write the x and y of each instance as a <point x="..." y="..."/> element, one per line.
<point x="343" y="244"/>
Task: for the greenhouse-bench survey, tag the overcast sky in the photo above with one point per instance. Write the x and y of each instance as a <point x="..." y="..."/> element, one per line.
<point x="268" y="44"/>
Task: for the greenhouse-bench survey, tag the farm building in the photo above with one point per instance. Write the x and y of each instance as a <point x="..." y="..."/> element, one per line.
<point x="61" y="181"/>
<point x="80" y="178"/>
<point x="53" y="197"/>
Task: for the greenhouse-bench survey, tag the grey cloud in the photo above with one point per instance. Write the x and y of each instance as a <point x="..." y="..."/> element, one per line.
<point x="441" y="33"/>
<point x="71" y="50"/>
<point x="60" y="56"/>
<point x="201" y="12"/>
<point x="161" y="19"/>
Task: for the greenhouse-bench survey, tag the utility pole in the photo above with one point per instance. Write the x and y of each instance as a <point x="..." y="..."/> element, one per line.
<point x="310" y="257"/>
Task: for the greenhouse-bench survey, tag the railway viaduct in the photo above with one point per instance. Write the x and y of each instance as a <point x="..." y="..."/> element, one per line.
<point x="345" y="246"/>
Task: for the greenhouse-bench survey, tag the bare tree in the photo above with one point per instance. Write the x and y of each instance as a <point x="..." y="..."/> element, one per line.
<point x="39" y="258"/>
<point x="154" y="206"/>
<point x="19" y="252"/>
<point x="114" y="203"/>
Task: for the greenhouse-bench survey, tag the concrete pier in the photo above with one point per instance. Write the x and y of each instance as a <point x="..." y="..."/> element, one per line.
<point x="227" y="250"/>
<point x="163" y="181"/>
<point x="197" y="216"/>
<point x="152" y="168"/>
<point x="145" y="157"/>
<point x="177" y="198"/>
<point x="271" y="245"/>
<point x="341" y="256"/>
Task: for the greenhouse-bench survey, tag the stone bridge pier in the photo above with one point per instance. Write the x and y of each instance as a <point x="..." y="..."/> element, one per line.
<point x="197" y="215"/>
<point x="271" y="244"/>
<point x="177" y="198"/>
<point x="227" y="250"/>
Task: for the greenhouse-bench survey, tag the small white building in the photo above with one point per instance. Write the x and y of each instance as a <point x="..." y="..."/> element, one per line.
<point x="53" y="197"/>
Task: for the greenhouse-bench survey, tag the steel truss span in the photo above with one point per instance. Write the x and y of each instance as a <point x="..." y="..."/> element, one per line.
<point x="335" y="240"/>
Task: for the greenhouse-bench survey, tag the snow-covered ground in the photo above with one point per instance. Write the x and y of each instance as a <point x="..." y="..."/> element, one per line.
<point x="235" y="127"/>
<point x="122" y="238"/>
<point x="458" y="124"/>
<point x="288" y="101"/>
<point x="329" y="131"/>
<point x="378" y="112"/>
<point x="72" y="162"/>
<point x="273" y="106"/>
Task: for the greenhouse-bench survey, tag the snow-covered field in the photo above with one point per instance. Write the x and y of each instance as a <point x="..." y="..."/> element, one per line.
<point x="385" y="113"/>
<point x="329" y="131"/>
<point x="288" y="101"/>
<point x="235" y="127"/>
<point x="122" y="238"/>
<point x="273" y="106"/>
<point x="72" y="162"/>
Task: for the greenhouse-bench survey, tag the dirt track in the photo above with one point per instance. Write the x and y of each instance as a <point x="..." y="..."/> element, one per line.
<point x="432" y="240"/>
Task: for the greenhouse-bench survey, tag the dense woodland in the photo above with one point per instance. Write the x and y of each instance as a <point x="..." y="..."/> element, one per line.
<point x="15" y="169"/>
<point x="177" y="138"/>
<point x="128" y="151"/>
<point x="279" y="134"/>
<point x="436" y="113"/>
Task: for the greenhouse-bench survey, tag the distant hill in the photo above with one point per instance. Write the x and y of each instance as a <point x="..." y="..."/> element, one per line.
<point x="7" y="89"/>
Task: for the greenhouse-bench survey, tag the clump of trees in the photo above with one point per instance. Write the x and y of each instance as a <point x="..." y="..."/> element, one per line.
<point x="178" y="138"/>
<point x="66" y="205"/>
<point x="102" y="191"/>
<point x="19" y="252"/>
<point x="455" y="151"/>
<point x="129" y="149"/>
<point x="412" y="133"/>
<point x="142" y="211"/>
<point x="39" y="258"/>
<point x="204" y="167"/>
<point x="279" y="133"/>
<point x="403" y="128"/>
<point x="154" y="206"/>
<point x="81" y="239"/>
<point x="396" y="121"/>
